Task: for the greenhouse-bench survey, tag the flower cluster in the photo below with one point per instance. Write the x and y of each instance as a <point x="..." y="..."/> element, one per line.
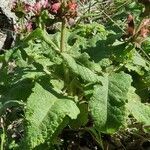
<point x="59" y="9"/>
<point x="27" y="27"/>
<point x="63" y="10"/>
<point x="55" y="7"/>
<point x="142" y="31"/>
<point x="39" y="6"/>
<point x="27" y="8"/>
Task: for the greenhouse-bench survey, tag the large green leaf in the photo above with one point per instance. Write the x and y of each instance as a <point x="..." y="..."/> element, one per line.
<point x="107" y="103"/>
<point x="139" y="110"/>
<point x="45" y="113"/>
<point x="85" y="73"/>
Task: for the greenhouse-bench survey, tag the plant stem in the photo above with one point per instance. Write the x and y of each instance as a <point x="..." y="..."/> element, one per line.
<point x="2" y="135"/>
<point x="2" y="140"/>
<point x="62" y="42"/>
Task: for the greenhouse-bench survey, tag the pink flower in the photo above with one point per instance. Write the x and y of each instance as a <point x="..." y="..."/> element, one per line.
<point x="55" y="7"/>
<point x="14" y="5"/>
<point x="37" y="8"/>
<point x="144" y="32"/>
<point x="146" y="22"/>
<point x="27" y="8"/>
<point x="72" y="9"/>
<point x="29" y="26"/>
<point x="17" y="29"/>
<point x="44" y="3"/>
<point x="72" y="6"/>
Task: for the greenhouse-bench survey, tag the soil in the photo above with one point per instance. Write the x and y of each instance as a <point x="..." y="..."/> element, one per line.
<point x="126" y="140"/>
<point x="7" y="19"/>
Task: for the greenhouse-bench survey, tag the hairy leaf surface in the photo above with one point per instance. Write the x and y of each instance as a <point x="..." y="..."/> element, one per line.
<point x="45" y="113"/>
<point x="107" y="103"/>
<point x="85" y="73"/>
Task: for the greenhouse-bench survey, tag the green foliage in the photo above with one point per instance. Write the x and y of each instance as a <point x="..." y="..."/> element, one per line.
<point x="96" y="77"/>
<point x="109" y="100"/>
<point x="45" y="113"/>
<point x="85" y="73"/>
<point x="140" y="111"/>
<point x="82" y="118"/>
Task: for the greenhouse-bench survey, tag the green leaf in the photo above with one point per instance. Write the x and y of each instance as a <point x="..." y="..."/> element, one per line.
<point x="82" y="118"/>
<point x="38" y="33"/>
<point x="146" y="45"/>
<point x="139" y="110"/>
<point x="107" y="103"/>
<point x="88" y="30"/>
<point x="85" y="73"/>
<point x="147" y="79"/>
<point x="45" y="113"/>
<point x="136" y="63"/>
<point x="18" y="91"/>
<point x="84" y="59"/>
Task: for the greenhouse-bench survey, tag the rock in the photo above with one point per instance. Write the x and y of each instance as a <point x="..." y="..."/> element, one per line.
<point x="6" y="9"/>
<point x="7" y="18"/>
<point x="2" y="39"/>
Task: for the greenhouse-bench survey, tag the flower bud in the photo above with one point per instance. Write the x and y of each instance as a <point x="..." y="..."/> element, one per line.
<point x="55" y="7"/>
<point x="28" y="8"/>
<point x="29" y="26"/>
<point x="144" y="32"/>
<point x="44" y="3"/>
<point x="14" y="6"/>
<point x="72" y="6"/>
<point x="37" y="8"/>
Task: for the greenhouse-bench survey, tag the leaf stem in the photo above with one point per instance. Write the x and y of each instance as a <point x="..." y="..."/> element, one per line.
<point x="62" y="43"/>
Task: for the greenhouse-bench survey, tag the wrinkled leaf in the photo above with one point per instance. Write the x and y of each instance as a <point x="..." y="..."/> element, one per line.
<point x="44" y="114"/>
<point x="82" y="71"/>
<point x="107" y="103"/>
